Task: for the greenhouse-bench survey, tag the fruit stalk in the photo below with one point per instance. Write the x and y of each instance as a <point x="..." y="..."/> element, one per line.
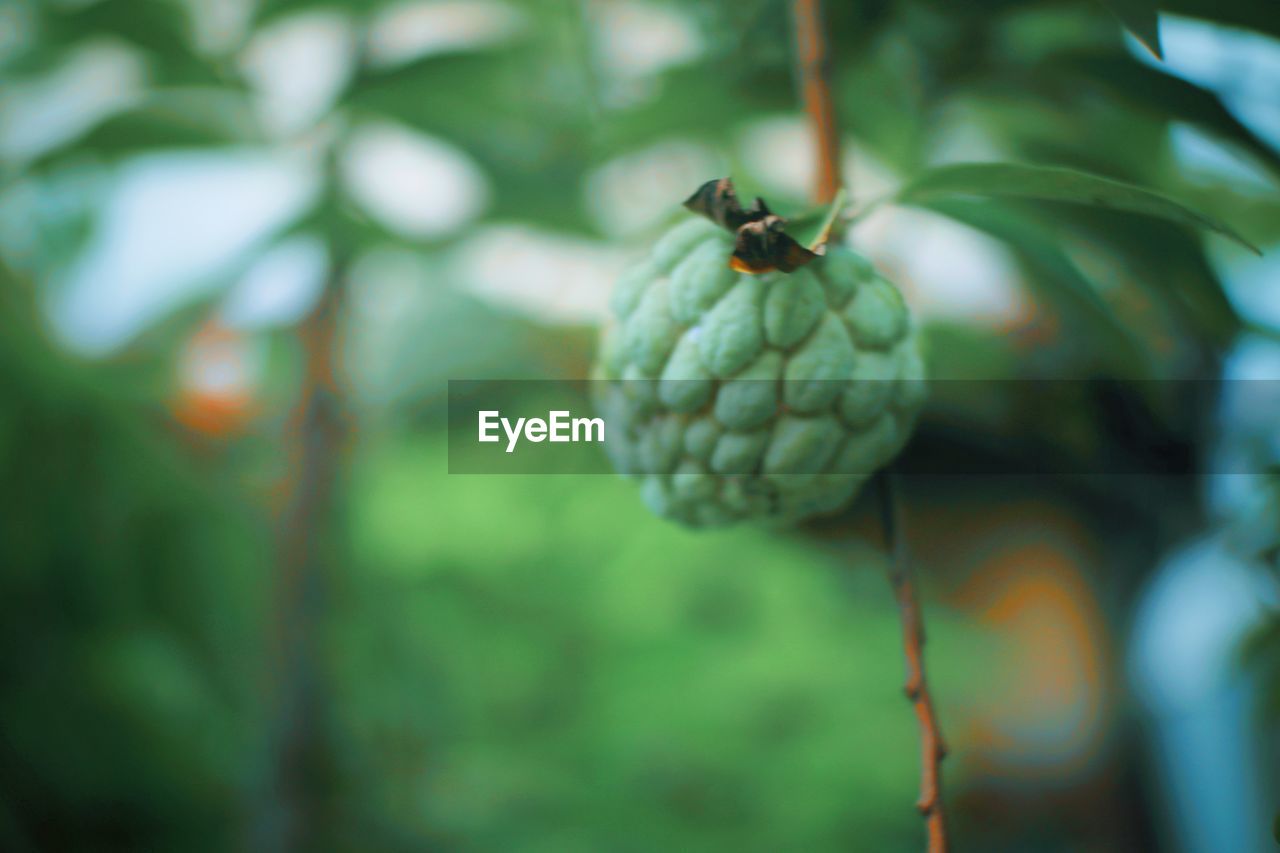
<point x="815" y="83"/>
<point x="932" y="747"/>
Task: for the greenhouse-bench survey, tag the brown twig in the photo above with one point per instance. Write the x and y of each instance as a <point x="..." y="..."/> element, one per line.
<point x="815" y="82"/>
<point x="932" y="747"/>
<point x="815" y="71"/>
<point x="299" y="773"/>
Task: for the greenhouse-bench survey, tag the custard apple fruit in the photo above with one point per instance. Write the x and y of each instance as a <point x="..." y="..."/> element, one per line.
<point x="736" y="397"/>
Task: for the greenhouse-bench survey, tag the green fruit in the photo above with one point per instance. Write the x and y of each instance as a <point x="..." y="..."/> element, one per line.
<point x="737" y="397"/>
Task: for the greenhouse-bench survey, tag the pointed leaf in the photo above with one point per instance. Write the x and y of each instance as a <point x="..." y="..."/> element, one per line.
<point x="1163" y="96"/>
<point x="813" y="229"/>
<point x="1049" y="183"/>
<point x="1142" y="19"/>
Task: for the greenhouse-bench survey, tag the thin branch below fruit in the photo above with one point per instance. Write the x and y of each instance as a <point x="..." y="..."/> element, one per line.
<point x="932" y="747"/>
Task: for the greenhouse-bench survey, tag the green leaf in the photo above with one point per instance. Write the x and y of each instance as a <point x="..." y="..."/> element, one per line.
<point x="1049" y="183"/>
<point x="1142" y="19"/>
<point x="885" y="88"/>
<point x="534" y="149"/>
<point x="1162" y="96"/>
<point x="1053" y="274"/>
<point x="1241" y="14"/>
<point x="1173" y="270"/>
<point x="167" y="119"/>
<point x="699" y="101"/>
<point x="270" y="12"/>
<point x="347" y="230"/>
<point x="812" y="229"/>
<point x="157" y="27"/>
<point x="160" y="30"/>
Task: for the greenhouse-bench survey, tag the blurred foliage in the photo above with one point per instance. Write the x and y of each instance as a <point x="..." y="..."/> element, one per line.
<point x="597" y="678"/>
<point x="1040" y="83"/>
<point x="593" y="677"/>
<point x="129" y="607"/>
<point x="538" y="664"/>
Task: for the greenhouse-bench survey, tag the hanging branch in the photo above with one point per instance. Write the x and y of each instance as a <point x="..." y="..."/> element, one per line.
<point x="932" y="747"/>
<point x="815" y="81"/>
<point x="300" y="773"/>
<point x="815" y="74"/>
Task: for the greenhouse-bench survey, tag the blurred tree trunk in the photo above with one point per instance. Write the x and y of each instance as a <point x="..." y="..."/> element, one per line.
<point x="300" y="776"/>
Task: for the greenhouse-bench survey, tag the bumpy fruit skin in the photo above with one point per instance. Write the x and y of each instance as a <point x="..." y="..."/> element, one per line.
<point x="765" y="398"/>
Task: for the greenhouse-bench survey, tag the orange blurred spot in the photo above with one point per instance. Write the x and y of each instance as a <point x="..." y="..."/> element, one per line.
<point x="217" y="381"/>
<point x="1048" y="711"/>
